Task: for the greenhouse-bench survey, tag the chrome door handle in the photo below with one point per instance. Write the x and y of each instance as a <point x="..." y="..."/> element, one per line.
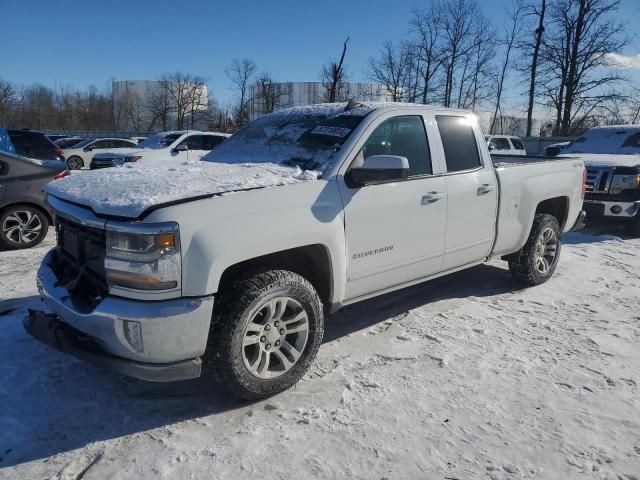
<point x="431" y="197"/>
<point x="486" y="188"/>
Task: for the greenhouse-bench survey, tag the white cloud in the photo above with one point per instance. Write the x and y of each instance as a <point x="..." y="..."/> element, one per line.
<point x="623" y="61"/>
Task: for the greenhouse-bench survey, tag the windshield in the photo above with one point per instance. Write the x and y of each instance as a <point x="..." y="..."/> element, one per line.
<point x="160" y="140"/>
<point x="294" y="137"/>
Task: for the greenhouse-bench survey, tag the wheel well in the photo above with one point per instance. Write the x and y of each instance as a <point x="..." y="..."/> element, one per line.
<point x="312" y="262"/>
<point x="32" y="205"/>
<point x="558" y="207"/>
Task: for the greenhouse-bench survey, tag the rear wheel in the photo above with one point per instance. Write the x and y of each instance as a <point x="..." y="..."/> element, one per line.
<point x="537" y="260"/>
<point x="265" y="332"/>
<point x="22" y="226"/>
<point x="75" y="163"/>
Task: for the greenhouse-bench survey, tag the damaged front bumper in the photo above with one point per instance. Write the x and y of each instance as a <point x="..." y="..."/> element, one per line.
<point x="151" y="340"/>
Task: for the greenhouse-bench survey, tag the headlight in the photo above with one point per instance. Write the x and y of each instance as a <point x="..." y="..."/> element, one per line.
<point x="624" y="182"/>
<point x="144" y="260"/>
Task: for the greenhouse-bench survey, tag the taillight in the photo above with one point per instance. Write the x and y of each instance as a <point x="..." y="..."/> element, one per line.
<point x="59" y="152"/>
<point x="62" y="174"/>
<point x="584" y="182"/>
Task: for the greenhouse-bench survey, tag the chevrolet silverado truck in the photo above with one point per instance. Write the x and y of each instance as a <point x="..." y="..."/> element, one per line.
<point x="612" y="158"/>
<point x="228" y="266"/>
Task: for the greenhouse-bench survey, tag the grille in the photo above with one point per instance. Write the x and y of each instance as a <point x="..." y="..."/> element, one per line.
<point x="599" y="180"/>
<point x="79" y="263"/>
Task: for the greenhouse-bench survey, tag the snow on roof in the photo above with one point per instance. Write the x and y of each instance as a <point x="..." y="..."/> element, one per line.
<point x="609" y="139"/>
<point x="129" y="190"/>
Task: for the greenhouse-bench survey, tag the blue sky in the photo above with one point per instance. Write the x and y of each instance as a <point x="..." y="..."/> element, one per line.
<point x="79" y="42"/>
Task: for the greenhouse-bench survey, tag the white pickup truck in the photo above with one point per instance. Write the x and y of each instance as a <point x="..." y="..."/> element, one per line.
<point x="164" y="271"/>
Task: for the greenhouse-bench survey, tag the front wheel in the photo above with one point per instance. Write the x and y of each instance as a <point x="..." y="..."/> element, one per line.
<point x="537" y="260"/>
<point x="22" y="226"/>
<point x="75" y="163"/>
<point x="265" y="332"/>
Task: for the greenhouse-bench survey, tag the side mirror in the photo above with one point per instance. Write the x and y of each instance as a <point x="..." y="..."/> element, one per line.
<point x="87" y="149"/>
<point x="492" y="147"/>
<point x="378" y="169"/>
<point x="181" y="148"/>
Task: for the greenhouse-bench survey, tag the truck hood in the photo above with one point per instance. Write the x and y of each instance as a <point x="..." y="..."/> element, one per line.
<point x="606" y="160"/>
<point x="129" y="190"/>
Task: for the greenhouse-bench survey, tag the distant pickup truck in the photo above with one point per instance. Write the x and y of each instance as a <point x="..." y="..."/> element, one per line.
<point x="229" y="265"/>
<point x="612" y="157"/>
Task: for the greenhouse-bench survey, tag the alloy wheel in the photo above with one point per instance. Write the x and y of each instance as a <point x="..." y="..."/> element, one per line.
<point x="22" y="227"/>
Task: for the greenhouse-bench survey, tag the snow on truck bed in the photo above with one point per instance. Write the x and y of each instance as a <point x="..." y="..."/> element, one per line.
<point x="129" y="190"/>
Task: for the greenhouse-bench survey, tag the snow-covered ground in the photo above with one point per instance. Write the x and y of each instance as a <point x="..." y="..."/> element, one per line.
<point x="460" y="378"/>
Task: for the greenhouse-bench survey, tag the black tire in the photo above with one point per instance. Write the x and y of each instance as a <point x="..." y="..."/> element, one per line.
<point x="235" y="308"/>
<point x="11" y="238"/>
<point x="75" y="163"/>
<point x="633" y="226"/>
<point x="525" y="265"/>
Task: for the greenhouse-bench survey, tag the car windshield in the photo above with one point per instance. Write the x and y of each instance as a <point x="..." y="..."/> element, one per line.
<point x="306" y="138"/>
<point x="160" y="140"/>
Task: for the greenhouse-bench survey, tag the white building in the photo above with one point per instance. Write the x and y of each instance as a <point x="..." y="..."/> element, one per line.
<point x="295" y="94"/>
<point x="132" y="100"/>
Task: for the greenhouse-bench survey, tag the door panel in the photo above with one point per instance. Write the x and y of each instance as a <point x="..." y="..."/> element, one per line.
<point x="395" y="231"/>
<point x="472" y="193"/>
<point x="393" y="235"/>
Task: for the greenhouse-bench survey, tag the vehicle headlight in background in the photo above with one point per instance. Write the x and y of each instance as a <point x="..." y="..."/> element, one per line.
<point x="624" y="182"/>
<point x="144" y="260"/>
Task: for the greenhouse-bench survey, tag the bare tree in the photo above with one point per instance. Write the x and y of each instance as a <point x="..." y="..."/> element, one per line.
<point x="577" y="81"/>
<point x="508" y="40"/>
<point x="269" y="94"/>
<point x="392" y="69"/>
<point x="333" y="76"/>
<point x="158" y="105"/>
<point x="8" y="101"/>
<point x="240" y="73"/>
<point x="535" y="56"/>
<point x="459" y="18"/>
<point x="427" y="27"/>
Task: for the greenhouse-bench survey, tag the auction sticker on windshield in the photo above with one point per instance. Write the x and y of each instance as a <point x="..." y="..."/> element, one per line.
<point x="332" y="131"/>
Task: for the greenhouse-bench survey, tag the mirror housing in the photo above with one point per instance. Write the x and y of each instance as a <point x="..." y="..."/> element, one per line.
<point x="491" y="147"/>
<point x="181" y="148"/>
<point x="87" y="149"/>
<point x="378" y="169"/>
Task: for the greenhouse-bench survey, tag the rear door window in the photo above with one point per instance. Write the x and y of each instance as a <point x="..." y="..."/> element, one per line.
<point x="212" y="141"/>
<point x="459" y="143"/>
<point x="517" y="143"/>
<point x="33" y="145"/>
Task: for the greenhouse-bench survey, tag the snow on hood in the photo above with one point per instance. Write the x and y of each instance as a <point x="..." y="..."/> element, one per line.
<point x="129" y="190"/>
<point x="606" y="160"/>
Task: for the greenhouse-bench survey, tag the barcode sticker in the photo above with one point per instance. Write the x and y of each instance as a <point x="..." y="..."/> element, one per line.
<point x="332" y="131"/>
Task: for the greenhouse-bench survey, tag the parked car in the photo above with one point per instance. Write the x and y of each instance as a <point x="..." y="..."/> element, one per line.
<point x="68" y="142"/>
<point x="505" y="145"/>
<point x="180" y="145"/>
<point x="79" y="156"/>
<point x="24" y="215"/>
<point x="331" y="205"/>
<point x="612" y="157"/>
<point x="30" y="144"/>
